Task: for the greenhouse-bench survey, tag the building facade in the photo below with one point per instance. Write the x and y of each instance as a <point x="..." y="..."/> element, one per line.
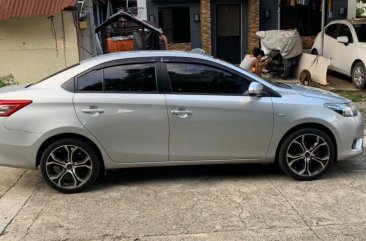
<point x="36" y="42"/>
<point x="224" y="28"/>
<point x="304" y="15"/>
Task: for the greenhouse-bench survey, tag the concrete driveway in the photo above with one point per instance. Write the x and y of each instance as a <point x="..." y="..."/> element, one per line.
<point x="237" y="202"/>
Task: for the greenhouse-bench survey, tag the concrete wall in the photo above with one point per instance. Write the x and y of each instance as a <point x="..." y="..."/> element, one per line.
<point x="87" y="39"/>
<point x="31" y="48"/>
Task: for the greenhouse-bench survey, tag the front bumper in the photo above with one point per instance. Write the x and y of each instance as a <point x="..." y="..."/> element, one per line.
<point x="350" y="137"/>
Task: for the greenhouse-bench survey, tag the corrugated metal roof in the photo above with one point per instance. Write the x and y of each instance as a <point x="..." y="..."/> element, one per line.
<point x="29" y="8"/>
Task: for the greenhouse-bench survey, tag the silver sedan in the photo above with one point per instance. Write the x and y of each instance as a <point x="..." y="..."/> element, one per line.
<point x="162" y="108"/>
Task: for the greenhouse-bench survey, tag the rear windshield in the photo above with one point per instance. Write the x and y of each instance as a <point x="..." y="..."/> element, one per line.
<point x="53" y="74"/>
<point x="361" y="32"/>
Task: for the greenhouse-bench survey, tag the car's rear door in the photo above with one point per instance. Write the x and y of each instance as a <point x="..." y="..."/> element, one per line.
<point x="120" y="105"/>
<point x="210" y="118"/>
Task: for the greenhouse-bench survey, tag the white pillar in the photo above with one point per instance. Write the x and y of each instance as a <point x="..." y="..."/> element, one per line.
<point x="279" y="14"/>
<point x="142" y="11"/>
<point x="322" y="27"/>
<point x="351" y="9"/>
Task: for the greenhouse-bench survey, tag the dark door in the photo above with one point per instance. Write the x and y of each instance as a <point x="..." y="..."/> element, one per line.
<point x="228" y="32"/>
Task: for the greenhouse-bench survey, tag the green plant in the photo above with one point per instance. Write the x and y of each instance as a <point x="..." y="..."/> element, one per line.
<point x="355" y="96"/>
<point x="7" y="80"/>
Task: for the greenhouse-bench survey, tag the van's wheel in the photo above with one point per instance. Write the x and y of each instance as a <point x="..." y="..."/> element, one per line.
<point x="306" y="154"/>
<point x="359" y="75"/>
<point x="314" y="52"/>
<point x="69" y="165"/>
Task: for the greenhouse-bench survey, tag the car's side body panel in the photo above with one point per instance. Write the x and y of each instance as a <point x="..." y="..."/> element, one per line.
<point x="309" y="112"/>
<point x="132" y="127"/>
<point x="220" y="127"/>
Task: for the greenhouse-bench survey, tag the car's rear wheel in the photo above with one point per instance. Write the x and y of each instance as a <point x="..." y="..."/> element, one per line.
<point x="359" y="75"/>
<point x="69" y="165"/>
<point x="306" y="154"/>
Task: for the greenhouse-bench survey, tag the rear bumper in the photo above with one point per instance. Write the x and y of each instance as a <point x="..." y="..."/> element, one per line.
<point x="18" y="148"/>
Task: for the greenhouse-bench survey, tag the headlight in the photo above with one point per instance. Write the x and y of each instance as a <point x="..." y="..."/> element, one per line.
<point x="347" y="110"/>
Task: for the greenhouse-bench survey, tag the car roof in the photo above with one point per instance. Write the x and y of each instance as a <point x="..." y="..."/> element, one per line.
<point x="140" y="54"/>
<point x="84" y="65"/>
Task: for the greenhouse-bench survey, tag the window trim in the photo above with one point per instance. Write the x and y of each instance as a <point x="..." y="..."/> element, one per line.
<point x="338" y="27"/>
<point x="114" y="63"/>
<point x="350" y="41"/>
<point x="186" y="60"/>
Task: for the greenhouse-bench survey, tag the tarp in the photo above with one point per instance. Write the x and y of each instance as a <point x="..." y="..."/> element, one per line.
<point x="317" y="66"/>
<point x="288" y="42"/>
<point x="30" y="8"/>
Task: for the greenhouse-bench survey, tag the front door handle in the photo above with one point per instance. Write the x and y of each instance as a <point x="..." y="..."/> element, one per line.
<point x="92" y="111"/>
<point x="181" y="113"/>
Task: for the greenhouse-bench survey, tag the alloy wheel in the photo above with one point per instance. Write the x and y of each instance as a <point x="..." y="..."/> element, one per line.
<point x="69" y="166"/>
<point x="308" y="155"/>
<point x="358" y="75"/>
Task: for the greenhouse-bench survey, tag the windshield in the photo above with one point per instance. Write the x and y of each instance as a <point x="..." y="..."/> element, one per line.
<point x="277" y="83"/>
<point x="361" y="32"/>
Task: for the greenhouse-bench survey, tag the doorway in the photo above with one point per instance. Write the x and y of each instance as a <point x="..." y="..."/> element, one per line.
<point x="228" y="32"/>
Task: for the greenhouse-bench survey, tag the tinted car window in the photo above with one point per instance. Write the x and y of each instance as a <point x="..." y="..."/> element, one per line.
<point x="361" y="32"/>
<point x="346" y="31"/>
<point x="130" y="78"/>
<point x="91" y="81"/>
<point x="198" y="78"/>
<point x="332" y="30"/>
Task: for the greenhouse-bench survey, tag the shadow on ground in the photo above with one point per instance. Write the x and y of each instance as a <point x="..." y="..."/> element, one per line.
<point x="151" y="175"/>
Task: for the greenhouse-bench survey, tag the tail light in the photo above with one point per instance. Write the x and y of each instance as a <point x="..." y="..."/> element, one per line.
<point x="9" y="107"/>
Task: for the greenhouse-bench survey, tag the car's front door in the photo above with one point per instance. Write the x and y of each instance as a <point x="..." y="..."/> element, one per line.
<point x="211" y="119"/>
<point x="120" y="105"/>
<point x="330" y="43"/>
<point x="345" y="54"/>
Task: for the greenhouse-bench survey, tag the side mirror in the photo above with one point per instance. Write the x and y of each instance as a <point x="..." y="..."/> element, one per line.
<point x="343" y="39"/>
<point x="255" y="89"/>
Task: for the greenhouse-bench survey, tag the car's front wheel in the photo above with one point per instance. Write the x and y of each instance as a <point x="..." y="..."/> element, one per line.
<point x="359" y="75"/>
<point x="306" y="154"/>
<point x="69" y="165"/>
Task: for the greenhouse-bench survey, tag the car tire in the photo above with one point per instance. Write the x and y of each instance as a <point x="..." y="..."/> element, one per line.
<point x="306" y="154"/>
<point x="359" y="75"/>
<point x="286" y="72"/>
<point x="69" y="165"/>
